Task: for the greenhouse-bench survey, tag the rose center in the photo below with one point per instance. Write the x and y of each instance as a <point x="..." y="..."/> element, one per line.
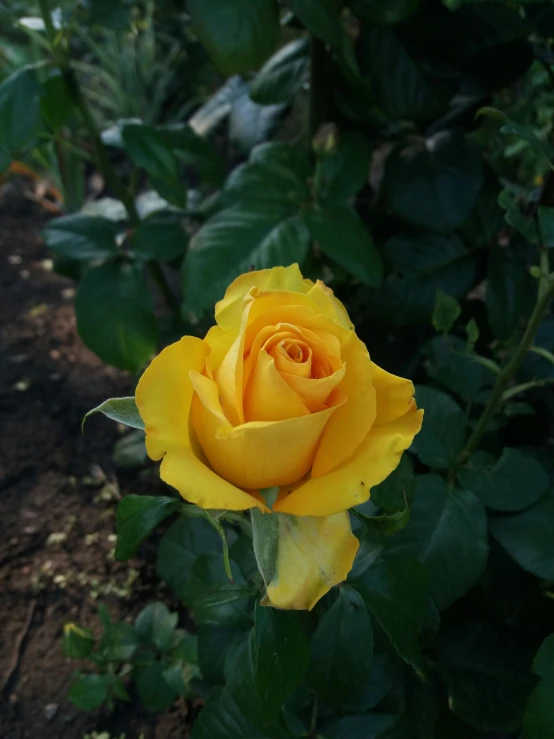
<point x="297" y="351"/>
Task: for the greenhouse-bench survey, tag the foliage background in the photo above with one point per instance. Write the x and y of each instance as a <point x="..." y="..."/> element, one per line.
<point x="344" y="136"/>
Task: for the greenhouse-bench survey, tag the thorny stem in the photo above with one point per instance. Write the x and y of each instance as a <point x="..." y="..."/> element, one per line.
<point x="109" y="174"/>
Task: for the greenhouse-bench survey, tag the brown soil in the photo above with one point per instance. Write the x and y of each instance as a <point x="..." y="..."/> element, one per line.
<point x="53" y="481"/>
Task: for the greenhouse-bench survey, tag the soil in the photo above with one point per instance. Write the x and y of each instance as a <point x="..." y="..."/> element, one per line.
<point x="58" y="496"/>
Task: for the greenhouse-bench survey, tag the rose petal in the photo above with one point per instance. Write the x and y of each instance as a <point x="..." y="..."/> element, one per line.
<point x="268" y="397"/>
<point x="395" y="395"/>
<point x="163" y="396"/>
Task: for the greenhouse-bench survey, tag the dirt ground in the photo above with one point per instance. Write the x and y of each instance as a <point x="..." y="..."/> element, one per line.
<point x="58" y="495"/>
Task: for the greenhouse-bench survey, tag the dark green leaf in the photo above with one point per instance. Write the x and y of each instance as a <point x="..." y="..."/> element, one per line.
<point x="321" y="18"/>
<point x="57" y="102"/>
<point x="386" y="524"/>
<point x="423" y="262"/>
<point x="280" y="652"/>
<point x="239" y="36"/>
<point x="543" y="664"/>
<point x="511" y="483"/>
<point x="515" y="218"/>
<point x="19" y="109"/>
<point x="434" y="185"/>
<point x="122" y="410"/>
<point x="341" y="649"/>
<point x="137" y="517"/>
<point x="521" y="131"/>
<point x="213" y="642"/>
<point x="159" y="239"/>
<point x="211" y="597"/>
<point x="447" y="527"/>
<point x="391" y="495"/>
<point x="441" y="438"/>
<point x="445" y="313"/>
<point x="90" y="691"/>
<point x="394" y="592"/>
<point x="385" y="674"/>
<point x="379" y="13"/>
<point x="115" y="315"/>
<point x="109" y="14"/>
<point x="404" y="86"/>
<point x="207" y="606"/>
<point x="257" y="234"/>
<point x="527" y="537"/>
<point x="179" y="548"/>
<point x="130" y="450"/>
<point x="220" y="718"/>
<point x="283" y="75"/>
<point x="368" y="726"/>
<point x="78" y="642"/>
<point x="82" y="237"/>
<point x="154" y="691"/>
<point x="451" y="365"/>
<point x="343" y="237"/>
<point x="342" y="171"/>
<point x="538" y="719"/>
<point x="150" y="149"/>
<point x="486" y="672"/>
<point x="156" y="625"/>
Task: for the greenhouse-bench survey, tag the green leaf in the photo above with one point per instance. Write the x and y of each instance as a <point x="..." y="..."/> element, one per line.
<point x="450" y="364"/>
<point x="213" y="642"/>
<point x="395" y="593"/>
<point x="386" y="14"/>
<point x="515" y="218"/>
<point x="519" y="130"/>
<point x="137" y="517"/>
<point x="122" y="410"/>
<point x="221" y="718"/>
<point x="280" y="652"/>
<point x="441" y="438"/>
<point x="207" y="605"/>
<point x="385" y="674"/>
<point x="19" y="109"/>
<point x="211" y="598"/>
<point x="186" y="540"/>
<point x="546" y="225"/>
<point x="57" y="103"/>
<point x="445" y="313"/>
<point x="404" y="86"/>
<point x="150" y="149"/>
<point x="434" y="185"/>
<point x="343" y="237"/>
<point x="341" y="649"/>
<point x="446" y="527"/>
<point x="90" y="691"/>
<point x="486" y="672"/>
<point x="160" y="238"/>
<point x="367" y="726"/>
<point x="391" y="494"/>
<point x="156" y="625"/>
<point x="115" y="315"/>
<point x="538" y="719"/>
<point x="283" y="75"/>
<point x="423" y="262"/>
<point x="82" y="237"/>
<point x="239" y="36"/>
<point x="342" y="171"/>
<point x="386" y="524"/>
<point x="527" y="537"/>
<point x="78" y="642"/>
<point x="154" y="691"/>
<point x="257" y="234"/>
<point x="543" y="664"/>
<point x="511" y="483"/>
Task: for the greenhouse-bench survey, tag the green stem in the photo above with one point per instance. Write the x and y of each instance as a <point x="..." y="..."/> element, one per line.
<point x="545" y="295"/>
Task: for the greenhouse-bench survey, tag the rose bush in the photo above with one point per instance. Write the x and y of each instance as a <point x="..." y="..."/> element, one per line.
<point x="280" y="408"/>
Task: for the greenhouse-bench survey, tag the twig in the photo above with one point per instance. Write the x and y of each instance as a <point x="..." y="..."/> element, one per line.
<point x="17" y="649"/>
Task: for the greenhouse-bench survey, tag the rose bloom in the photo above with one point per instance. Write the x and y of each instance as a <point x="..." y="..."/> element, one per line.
<point x="281" y="393"/>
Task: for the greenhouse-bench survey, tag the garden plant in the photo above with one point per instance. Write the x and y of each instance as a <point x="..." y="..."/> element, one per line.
<point x="321" y="248"/>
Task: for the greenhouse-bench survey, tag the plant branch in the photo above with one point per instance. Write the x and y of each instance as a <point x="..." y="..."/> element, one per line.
<point x="545" y="295"/>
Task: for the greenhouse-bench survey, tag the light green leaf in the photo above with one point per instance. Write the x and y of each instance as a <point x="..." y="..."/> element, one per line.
<point x="156" y="625"/>
<point x="122" y="410"/>
<point x="445" y="313"/>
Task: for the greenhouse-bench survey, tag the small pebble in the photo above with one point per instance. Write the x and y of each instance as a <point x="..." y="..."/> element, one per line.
<point x="50" y="711"/>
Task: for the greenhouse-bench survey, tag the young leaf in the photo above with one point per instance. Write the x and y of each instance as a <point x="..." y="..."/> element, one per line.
<point x="78" y="642"/>
<point x="115" y="315"/>
<point x="386" y="524"/>
<point x="446" y="528"/>
<point x="239" y="36"/>
<point x="447" y="310"/>
<point x="90" y="691"/>
<point x="156" y="625"/>
<point x="122" y="410"/>
<point x="341" y="649"/>
<point x="279" y="656"/>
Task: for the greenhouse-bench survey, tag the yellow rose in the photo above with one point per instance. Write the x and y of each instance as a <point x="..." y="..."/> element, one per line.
<point x="281" y="393"/>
